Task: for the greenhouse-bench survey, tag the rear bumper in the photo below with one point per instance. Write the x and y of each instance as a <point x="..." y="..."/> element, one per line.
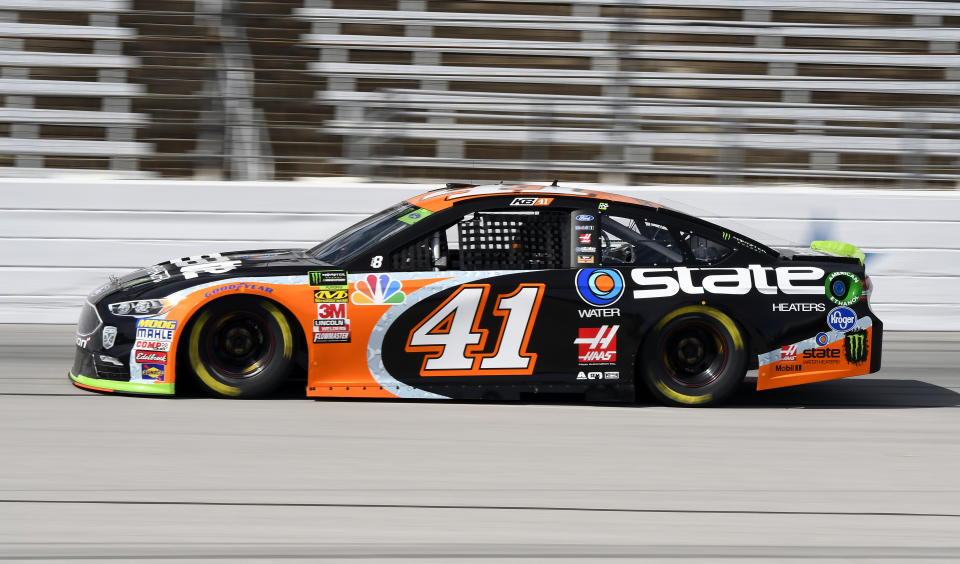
<point x="839" y="355"/>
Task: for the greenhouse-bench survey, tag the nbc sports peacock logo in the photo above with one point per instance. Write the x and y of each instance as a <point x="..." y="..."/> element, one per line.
<point x="378" y="290"/>
<point x="855" y="346"/>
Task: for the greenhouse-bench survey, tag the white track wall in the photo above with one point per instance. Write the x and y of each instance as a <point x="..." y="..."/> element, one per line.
<point x="61" y="238"/>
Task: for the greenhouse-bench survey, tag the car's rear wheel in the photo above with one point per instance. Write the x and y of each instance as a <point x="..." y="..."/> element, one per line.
<point x="241" y="347"/>
<point x="694" y="356"/>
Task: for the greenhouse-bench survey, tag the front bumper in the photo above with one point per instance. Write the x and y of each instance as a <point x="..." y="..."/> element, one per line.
<point x="90" y="373"/>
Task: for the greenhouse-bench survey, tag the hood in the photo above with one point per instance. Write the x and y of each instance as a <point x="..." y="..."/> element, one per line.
<point x="186" y="271"/>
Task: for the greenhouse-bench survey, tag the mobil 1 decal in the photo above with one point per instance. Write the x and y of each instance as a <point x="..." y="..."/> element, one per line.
<point x="505" y="329"/>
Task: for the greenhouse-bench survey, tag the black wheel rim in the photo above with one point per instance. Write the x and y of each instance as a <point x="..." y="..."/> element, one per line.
<point x="239" y="345"/>
<point x="693" y="354"/>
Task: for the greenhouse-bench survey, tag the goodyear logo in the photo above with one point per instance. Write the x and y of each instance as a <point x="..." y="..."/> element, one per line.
<point x="855" y="346"/>
<point x="156" y="324"/>
<point x="328" y="296"/>
<point x="238" y="286"/>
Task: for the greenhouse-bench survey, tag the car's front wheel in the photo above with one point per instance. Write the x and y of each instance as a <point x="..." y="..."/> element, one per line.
<point x="694" y="356"/>
<point x="241" y="347"/>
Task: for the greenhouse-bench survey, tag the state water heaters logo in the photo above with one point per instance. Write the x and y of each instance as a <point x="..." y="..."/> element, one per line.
<point x="378" y="290"/>
<point x="599" y="287"/>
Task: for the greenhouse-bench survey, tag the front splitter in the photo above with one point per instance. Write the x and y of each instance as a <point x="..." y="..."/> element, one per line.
<point x="154" y="389"/>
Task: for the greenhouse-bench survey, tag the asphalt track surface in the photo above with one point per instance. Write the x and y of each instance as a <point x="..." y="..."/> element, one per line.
<point x="863" y="469"/>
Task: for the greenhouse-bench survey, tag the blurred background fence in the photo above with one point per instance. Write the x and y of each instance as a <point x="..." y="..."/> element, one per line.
<point x="846" y="92"/>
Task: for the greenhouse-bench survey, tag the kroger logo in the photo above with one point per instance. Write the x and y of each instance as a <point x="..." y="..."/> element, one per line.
<point x="584" y="217"/>
<point x="841" y="318"/>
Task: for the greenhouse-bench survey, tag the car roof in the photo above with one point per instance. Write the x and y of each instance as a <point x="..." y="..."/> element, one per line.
<point x="444" y="198"/>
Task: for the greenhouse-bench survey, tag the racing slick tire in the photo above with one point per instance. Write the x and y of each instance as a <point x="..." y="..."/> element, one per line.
<point x="694" y="356"/>
<point x="241" y="347"/>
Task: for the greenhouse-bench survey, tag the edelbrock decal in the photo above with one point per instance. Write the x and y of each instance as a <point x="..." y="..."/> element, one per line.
<point x="666" y="282"/>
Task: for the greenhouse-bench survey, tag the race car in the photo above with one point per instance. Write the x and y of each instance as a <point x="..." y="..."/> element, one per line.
<point x="498" y="292"/>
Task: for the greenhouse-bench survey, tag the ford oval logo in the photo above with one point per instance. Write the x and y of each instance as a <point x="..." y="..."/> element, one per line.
<point x="584" y="217"/>
<point x="841" y="319"/>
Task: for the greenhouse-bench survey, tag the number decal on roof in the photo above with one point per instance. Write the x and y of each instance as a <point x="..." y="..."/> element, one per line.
<point x="454" y="343"/>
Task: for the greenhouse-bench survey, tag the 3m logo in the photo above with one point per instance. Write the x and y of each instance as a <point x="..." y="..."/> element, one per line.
<point x="597" y="344"/>
<point x="331" y="311"/>
<point x="788" y="352"/>
<point x="339" y="296"/>
<point x="855" y="346"/>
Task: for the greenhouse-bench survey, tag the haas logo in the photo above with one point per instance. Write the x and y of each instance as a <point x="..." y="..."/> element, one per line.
<point x="597" y="344"/>
<point x="788" y="352"/>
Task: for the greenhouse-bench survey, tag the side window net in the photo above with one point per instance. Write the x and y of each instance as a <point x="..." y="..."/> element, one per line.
<point x="512" y="241"/>
<point x="626" y="240"/>
<point x="419" y="255"/>
<point x="705" y="250"/>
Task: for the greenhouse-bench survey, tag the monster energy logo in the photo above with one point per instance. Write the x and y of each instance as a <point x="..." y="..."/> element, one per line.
<point x="725" y="235"/>
<point x="855" y="346"/>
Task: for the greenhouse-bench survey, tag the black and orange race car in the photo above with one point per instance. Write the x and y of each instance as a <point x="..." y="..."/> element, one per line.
<point x="491" y="292"/>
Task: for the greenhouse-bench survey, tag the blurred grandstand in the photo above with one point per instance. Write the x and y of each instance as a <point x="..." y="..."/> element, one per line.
<point x="853" y="92"/>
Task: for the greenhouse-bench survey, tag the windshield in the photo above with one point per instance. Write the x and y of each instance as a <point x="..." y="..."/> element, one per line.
<point x="359" y="237"/>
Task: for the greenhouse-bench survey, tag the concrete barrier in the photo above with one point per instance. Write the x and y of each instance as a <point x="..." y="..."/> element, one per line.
<point x="61" y="238"/>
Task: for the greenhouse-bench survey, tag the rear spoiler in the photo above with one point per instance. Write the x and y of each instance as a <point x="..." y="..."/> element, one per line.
<point x="839" y="249"/>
